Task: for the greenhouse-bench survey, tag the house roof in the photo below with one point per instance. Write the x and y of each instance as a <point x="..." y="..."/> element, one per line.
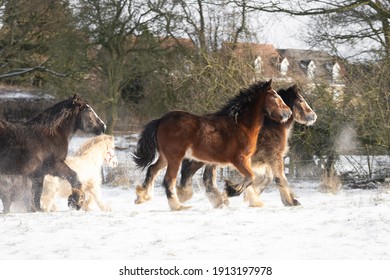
<point x="300" y="59"/>
<point x="249" y="52"/>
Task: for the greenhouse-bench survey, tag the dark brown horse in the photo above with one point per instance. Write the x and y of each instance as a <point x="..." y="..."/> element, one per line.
<point x="272" y="146"/>
<point x="226" y="137"/>
<point x="39" y="146"/>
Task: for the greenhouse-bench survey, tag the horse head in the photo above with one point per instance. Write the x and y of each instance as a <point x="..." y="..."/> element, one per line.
<point x="87" y="119"/>
<point x="302" y="113"/>
<point x="275" y="107"/>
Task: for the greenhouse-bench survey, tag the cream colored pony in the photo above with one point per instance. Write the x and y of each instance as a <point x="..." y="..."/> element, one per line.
<point x="87" y="162"/>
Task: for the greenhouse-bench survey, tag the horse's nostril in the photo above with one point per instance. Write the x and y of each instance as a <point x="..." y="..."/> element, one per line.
<point x="313" y="117"/>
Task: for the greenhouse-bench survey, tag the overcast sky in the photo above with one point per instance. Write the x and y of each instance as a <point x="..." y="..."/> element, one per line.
<point x="284" y="31"/>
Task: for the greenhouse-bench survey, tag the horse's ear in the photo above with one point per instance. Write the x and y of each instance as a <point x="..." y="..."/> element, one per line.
<point x="74" y="98"/>
<point x="77" y="100"/>
<point x="269" y="84"/>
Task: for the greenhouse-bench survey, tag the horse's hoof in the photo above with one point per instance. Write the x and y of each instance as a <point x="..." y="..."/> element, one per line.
<point x="291" y="203"/>
<point x="181" y="208"/>
<point x="232" y="189"/>
<point x="296" y="202"/>
<point x="256" y="203"/>
<point x="220" y="206"/>
<point x="226" y="202"/>
<point x="76" y="199"/>
<point x="142" y="195"/>
<point x="184" y="194"/>
<point x="140" y="200"/>
<point x="174" y="205"/>
<point x="36" y="209"/>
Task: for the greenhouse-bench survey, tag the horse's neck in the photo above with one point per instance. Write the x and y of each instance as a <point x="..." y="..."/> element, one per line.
<point x="289" y="127"/>
<point x="92" y="157"/>
<point x="278" y="125"/>
<point x="275" y="134"/>
<point x="253" y="118"/>
<point x="67" y="127"/>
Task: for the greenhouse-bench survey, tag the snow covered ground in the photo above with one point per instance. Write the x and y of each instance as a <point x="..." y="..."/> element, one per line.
<point x="349" y="225"/>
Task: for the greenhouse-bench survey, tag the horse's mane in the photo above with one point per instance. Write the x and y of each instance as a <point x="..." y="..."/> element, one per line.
<point x="97" y="141"/>
<point x="237" y="104"/>
<point x="53" y="117"/>
<point x="289" y="95"/>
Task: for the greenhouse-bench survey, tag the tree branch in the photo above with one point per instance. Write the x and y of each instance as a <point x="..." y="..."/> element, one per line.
<point x="22" y="71"/>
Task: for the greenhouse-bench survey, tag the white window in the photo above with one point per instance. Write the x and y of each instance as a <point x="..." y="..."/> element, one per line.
<point x="336" y="72"/>
<point x="258" y="65"/>
<point x="284" y="66"/>
<point x="311" y="69"/>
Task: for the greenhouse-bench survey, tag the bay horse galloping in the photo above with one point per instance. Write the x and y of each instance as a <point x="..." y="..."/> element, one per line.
<point x="39" y="146"/>
<point x="267" y="161"/>
<point x="228" y="136"/>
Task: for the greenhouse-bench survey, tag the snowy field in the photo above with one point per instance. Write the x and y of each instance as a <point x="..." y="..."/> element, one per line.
<point x="352" y="224"/>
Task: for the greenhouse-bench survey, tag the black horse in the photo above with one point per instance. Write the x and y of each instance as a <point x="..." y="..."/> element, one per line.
<point x="38" y="147"/>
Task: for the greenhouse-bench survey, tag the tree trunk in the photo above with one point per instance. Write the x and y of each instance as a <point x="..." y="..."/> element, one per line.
<point x="112" y="114"/>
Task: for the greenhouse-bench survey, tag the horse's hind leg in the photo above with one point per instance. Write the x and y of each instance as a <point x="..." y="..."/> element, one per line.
<point x="212" y="192"/>
<point x="145" y="192"/>
<point x="6" y="203"/>
<point x="170" y="186"/>
<point x="36" y="192"/>
<point x="188" y="169"/>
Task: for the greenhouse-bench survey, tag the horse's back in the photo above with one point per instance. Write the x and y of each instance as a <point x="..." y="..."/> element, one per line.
<point x="206" y="138"/>
<point x="177" y="125"/>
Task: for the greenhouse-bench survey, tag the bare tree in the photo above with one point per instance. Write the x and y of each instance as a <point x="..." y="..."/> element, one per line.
<point x="209" y="23"/>
<point x="116" y="27"/>
<point x="340" y="22"/>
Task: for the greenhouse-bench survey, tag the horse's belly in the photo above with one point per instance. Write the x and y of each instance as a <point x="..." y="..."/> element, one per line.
<point x="13" y="166"/>
<point x="207" y="158"/>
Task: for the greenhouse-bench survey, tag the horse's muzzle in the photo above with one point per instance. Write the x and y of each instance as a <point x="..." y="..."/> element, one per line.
<point x="100" y="129"/>
<point x="311" y="119"/>
<point x="286" y="115"/>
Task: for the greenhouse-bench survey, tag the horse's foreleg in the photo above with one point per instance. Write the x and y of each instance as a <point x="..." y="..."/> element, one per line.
<point x="188" y="169"/>
<point x="145" y="192"/>
<point x="252" y="197"/>
<point x="62" y="170"/>
<point x="286" y="194"/>
<point x="36" y="193"/>
<point x="244" y="167"/>
<point x="262" y="180"/>
<point x="93" y="188"/>
<point x="212" y="192"/>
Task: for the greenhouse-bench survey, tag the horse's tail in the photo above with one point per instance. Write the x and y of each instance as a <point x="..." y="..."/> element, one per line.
<point x="147" y="145"/>
<point x="233" y="189"/>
